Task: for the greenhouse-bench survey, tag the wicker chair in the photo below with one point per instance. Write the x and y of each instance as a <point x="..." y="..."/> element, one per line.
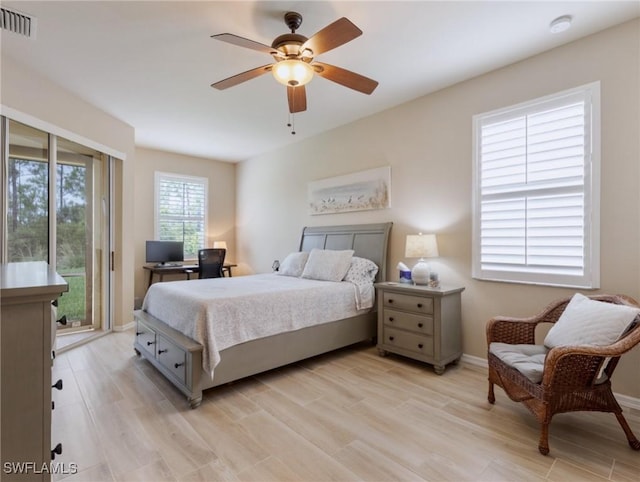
<point x="570" y="372"/>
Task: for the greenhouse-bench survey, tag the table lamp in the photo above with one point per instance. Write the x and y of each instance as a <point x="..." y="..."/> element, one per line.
<point x="421" y="246"/>
<point x="220" y="245"/>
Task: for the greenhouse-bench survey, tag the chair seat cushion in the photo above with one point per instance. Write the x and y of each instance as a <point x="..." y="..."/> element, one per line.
<point x="527" y="359"/>
<point x="590" y="322"/>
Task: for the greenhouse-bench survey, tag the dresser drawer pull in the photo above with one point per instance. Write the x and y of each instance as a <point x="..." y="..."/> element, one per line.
<point x="420" y="345"/>
<point x="419" y="305"/>
<point x="391" y="318"/>
<point x="57" y="385"/>
<point x="138" y="333"/>
<point x="149" y="343"/>
<point x="420" y="325"/>
<point x="178" y="365"/>
<point x="391" y="338"/>
<point x="160" y="352"/>
<point x="390" y="301"/>
<point x="56" y="450"/>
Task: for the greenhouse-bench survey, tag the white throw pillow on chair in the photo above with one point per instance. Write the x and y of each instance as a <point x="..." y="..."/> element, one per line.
<point x="590" y="322"/>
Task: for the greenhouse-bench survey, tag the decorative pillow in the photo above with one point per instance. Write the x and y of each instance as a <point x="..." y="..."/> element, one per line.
<point x="590" y="322"/>
<point x="327" y="264"/>
<point x="362" y="270"/>
<point x="293" y="264"/>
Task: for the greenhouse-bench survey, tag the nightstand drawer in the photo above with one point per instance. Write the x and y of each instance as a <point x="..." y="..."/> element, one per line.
<point x="408" y="321"/>
<point x="409" y="303"/>
<point x="173" y="358"/>
<point x="408" y="341"/>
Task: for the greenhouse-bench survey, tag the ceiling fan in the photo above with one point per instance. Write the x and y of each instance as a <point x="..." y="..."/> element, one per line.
<point x="294" y="64"/>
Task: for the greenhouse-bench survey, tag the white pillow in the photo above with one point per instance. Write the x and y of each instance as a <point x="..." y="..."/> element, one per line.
<point x="293" y="264"/>
<point x="327" y="264"/>
<point x="589" y="322"/>
<point x="362" y="270"/>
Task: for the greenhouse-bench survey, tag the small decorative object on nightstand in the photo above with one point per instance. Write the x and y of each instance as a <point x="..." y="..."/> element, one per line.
<point x="420" y="322"/>
<point x="276" y="266"/>
<point x="421" y="246"/>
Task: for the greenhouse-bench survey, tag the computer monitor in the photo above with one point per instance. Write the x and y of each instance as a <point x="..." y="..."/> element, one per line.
<point x="163" y="252"/>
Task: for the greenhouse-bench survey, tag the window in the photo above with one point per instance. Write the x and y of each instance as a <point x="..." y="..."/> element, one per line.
<point x="536" y="191"/>
<point x="181" y="211"/>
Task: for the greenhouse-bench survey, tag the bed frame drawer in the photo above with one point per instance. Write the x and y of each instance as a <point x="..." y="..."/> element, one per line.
<point x="178" y="358"/>
<point x="172" y="357"/>
<point x="146" y="338"/>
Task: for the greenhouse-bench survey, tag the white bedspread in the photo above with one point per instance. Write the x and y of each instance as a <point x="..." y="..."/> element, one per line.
<point x="222" y="312"/>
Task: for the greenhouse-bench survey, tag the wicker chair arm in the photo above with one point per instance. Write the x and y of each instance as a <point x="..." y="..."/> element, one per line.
<point x="585" y="359"/>
<point x="522" y="330"/>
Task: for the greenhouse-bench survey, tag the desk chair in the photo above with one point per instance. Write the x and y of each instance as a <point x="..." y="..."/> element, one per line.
<point x="210" y="262"/>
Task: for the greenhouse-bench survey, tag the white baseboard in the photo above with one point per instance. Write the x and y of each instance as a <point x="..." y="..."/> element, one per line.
<point x="624" y="400"/>
<point x="126" y="327"/>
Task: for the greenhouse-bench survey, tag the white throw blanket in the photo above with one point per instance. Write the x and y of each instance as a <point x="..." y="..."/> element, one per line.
<point x="223" y="312"/>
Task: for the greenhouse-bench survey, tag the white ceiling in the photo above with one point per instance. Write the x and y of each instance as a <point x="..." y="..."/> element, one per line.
<point x="150" y="64"/>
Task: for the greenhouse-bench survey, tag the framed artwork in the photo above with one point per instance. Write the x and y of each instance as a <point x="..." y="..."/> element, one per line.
<point x="360" y="191"/>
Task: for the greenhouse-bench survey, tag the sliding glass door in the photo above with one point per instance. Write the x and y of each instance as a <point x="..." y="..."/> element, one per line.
<point x="58" y="211"/>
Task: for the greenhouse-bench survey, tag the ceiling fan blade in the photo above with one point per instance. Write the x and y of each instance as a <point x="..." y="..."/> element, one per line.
<point x="297" y="97"/>
<point x="244" y="42"/>
<point x="345" y="77"/>
<point x="333" y="35"/>
<point x="243" y="77"/>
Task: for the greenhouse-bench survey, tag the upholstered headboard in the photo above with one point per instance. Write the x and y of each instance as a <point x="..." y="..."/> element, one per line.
<point x="367" y="241"/>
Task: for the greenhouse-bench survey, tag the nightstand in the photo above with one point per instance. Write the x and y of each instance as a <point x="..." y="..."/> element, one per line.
<point x="420" y="322"/>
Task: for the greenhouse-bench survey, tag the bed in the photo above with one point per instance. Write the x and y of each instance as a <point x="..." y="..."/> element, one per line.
<point x="193" y="366"/>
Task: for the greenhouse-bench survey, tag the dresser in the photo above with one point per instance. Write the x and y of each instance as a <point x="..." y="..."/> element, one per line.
<point x="420" y="322"/>
<point x="27" y="328"/>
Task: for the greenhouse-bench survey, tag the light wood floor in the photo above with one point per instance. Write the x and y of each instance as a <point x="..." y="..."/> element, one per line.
<point x="349" y="415"/>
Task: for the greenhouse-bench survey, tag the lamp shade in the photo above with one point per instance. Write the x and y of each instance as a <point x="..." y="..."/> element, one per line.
<point x="421" y="246"/>
<point x="292" y="72"/>
<point x="220" y="244"/>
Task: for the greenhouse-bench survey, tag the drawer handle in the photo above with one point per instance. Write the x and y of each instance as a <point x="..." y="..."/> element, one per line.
<point x="160" y="352"/>
<point x="420" y="345"/>
<point x="390" y="301"/>
<point x="149" y="343"/>
<point x="419" y="305"/>
<point x="178" y="365"/>
<point x="391" y="318"/>
<point x="57" y="385"/>
<point x="56" y="450"/>
<point x="420" y="325"/>
<point x="391" y="338"/>
<point x="138" y="333"/>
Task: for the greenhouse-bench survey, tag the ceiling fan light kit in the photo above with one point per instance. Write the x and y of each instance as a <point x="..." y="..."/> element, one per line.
<point x="294" y="64"/>
<point x="292" y="72"/>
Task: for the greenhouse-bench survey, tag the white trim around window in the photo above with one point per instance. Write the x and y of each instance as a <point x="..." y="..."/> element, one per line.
<point x="536" y="191"/>
<point x="181" y="210"/>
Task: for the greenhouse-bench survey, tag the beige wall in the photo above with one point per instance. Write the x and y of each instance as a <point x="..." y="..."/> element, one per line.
<point x="36" y="101"/>
<point x="428" y="144"/>
<point x="221" y="208"/>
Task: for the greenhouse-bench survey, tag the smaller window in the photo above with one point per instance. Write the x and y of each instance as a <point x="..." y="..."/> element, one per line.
<point x="536" y="191"/>
<point x="181" y="211"/>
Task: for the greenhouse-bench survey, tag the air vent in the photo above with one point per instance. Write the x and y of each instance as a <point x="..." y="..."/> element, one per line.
<point x="17" y="22"/>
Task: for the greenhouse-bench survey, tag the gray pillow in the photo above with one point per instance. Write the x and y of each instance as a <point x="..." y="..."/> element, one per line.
<point x="293" y="264"/>
<point x="327" y="264"/>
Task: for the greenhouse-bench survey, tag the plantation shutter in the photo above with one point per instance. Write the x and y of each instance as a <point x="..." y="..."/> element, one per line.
<point x="181" y="211"/>
<point x="534" y="210"/>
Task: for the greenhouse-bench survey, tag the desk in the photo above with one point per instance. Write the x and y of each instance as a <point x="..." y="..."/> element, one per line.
<point x="187" y="269"/>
